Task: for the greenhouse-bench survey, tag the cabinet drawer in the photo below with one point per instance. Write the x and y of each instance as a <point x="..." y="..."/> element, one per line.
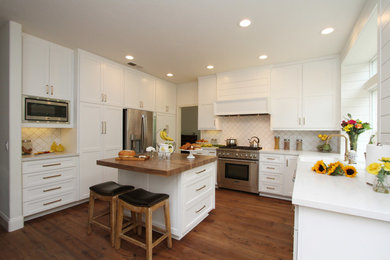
<point x="270" y="188"/>
<point x="48" y="190"/>
<point x="36" y="206"/>
<point x="195" y="174"/>
<point x="50" y="164"/>
<point x="194" y="190"/>
<point x="42" y="178"/>
<point x="267" y="167"/>
<point x="270" y="178"/>
<point x="198" y="210"/>
<point x="273" y="158"/>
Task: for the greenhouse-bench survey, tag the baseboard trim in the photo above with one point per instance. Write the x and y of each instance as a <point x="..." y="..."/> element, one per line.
<point x="11" y="224"/>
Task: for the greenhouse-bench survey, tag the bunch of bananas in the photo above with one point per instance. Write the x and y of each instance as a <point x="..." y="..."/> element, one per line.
<point x="164" y="135"/>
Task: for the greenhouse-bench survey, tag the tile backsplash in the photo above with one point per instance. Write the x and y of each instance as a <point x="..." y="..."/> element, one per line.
<point x="244" y="127"/>
<point x="41" y="138"/>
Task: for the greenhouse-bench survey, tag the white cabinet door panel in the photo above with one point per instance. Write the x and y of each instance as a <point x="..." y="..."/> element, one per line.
<point x="90" y="79"/>
<point x="285" y="113"/>
<point x="61" y="72"/>
<point x="147" y="92"/>
<point x="319" y="112"/>
<point x="110" y="174"/>
<point x="132" y="89"/>
<point x="35" y="66"/>
<point x="112" y="117"/>
<point x="206" y="118"/>
<point x="113" y="84"/>
<point x="91" y="127"/>
<point x="90" y="172"/>
<point x="207" y="90"/>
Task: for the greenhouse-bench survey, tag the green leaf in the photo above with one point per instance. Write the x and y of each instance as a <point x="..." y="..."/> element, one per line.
<point x="349" y="115"/>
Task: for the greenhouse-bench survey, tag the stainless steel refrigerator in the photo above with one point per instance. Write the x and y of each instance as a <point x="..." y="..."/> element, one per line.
<point x="139" y="129"/>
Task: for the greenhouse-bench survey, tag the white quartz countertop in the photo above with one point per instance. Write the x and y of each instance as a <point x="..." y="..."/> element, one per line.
<point x="27" y="158"/>
<point x="339" y="194"/>
<point x="299" y="153"/>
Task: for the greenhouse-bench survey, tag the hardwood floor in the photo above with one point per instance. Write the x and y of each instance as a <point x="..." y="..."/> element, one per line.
<point x="243" y="226"/>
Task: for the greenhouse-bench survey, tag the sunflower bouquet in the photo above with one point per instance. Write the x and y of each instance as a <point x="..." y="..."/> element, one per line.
<point x="381" y="170"/>
<point x="354" y="128"/>
<point x="334" y="169"/>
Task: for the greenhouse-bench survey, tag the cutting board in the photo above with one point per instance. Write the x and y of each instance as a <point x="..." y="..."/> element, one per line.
<point x="135" y="158"/>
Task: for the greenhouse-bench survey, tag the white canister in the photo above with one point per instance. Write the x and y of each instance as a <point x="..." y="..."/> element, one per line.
<point x="373" y="154"/>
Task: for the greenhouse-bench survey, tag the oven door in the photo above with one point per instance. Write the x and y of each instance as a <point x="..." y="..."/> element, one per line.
<point x="238" y="174"/>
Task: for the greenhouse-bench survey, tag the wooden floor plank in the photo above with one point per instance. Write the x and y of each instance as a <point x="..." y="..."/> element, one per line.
<point x="243" y="226"/>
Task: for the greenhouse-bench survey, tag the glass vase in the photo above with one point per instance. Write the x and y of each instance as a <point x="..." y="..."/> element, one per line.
<point x="381" y="183"/>
<point x="353" y="141"/>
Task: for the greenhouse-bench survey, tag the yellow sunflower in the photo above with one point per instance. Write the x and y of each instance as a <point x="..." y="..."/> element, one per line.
<point x="386" y="166"/>
<point x="374" y="168"/>
<point x="385" y="159"/>
<point x="320" y="167"/>
<point x="335" y="169"/>
<point x="350" y="171"/>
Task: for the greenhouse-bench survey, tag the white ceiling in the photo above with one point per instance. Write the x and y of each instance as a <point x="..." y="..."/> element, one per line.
<point x="183" y="36"/>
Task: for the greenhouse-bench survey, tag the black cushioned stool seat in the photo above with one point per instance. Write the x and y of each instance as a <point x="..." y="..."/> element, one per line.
<point x="110" y="188"/>
<point x="106" y="191"/>
<point x="140" y="202"/>
<point x="143" y="198"/>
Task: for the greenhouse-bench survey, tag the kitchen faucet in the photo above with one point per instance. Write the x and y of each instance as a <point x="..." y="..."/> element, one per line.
<point x="346" y="154"/>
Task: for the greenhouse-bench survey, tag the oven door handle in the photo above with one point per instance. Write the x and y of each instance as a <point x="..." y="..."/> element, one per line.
<point x="237" y="160"/>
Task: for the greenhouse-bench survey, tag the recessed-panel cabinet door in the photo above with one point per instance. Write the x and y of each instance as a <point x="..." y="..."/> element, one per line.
<point x="285" y="113"/>
<point x="110" y="174"/>
<point x="165" y="97"/>
<point x="147" y="92"/>
<point x="112" y="129"/>
<point x="113" y="84"/>
<point x="90" y="79"/>
<point x="132" y="89"/>
<point x="35" y="67"/>
<point x="90" y="172"/>
<point x="319" y="113"/>
<point x="206" y="118"/>
<point x="61" y="72"/>
<point x="91" y="127"/>
<point x="207" y="90"/>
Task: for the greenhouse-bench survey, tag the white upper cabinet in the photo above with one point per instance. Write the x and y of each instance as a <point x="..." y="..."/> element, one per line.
<point x="165" y="97"/>
<point x="47" y="69"/>
<point x="140" y="90"/>
<point x="243" y="84"/>
<point x="101" y="81"/>
<point x="306" y="96"/>
<point x="207" y="95"/>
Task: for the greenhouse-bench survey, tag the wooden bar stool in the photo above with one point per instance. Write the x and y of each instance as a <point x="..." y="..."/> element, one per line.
<point x="106" y="191"/>
<point x="141" y="201"/>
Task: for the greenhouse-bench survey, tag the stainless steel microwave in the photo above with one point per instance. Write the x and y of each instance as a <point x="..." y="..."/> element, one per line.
<point x="42" y="110"/>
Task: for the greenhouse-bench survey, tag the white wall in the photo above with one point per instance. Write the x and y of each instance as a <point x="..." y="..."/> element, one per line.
<point x="10" y="128"/>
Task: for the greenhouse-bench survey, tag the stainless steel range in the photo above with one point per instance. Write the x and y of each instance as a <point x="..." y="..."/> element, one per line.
<point x="238" y="168"/>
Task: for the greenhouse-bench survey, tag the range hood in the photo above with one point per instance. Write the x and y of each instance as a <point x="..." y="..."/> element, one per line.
<point x="241" y="107"/>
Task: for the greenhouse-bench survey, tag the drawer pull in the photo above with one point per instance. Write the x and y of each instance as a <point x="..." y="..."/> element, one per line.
<point x="272" y="159"/>
<point x="270" y="188"/>
<point x="53" y="164"/>
<point x="56" y="188"/>
<point x="201" y="188"/>
<point x="201" y="171"/>
<point x="271" y="168"/>
<point x="199" y="210"/>
<point x="53" y="176"/>
<point x="51" y="202"/>
<point x="269" y="178"/>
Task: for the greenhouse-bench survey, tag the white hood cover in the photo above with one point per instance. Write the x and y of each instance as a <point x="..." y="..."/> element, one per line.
<point x="241" y="107"/>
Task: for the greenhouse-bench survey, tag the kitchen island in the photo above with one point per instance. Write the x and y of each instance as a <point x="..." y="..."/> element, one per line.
<point x="190" y="184"/>
<point x="338" y="217"/>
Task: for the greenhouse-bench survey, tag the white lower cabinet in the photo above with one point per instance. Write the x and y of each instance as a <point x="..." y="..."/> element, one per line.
<point x="48" y="184"/>
<point x="276" y="175"/>
<point x="191" y="195"/>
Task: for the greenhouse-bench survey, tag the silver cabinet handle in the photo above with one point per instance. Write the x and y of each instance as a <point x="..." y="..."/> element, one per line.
<point x="200" y="209"/>
<point x="102" y="127"/>
<point x="270" y="188"/>
<point x="56" y="188"/>
<point x="50" y="165"/>
<point x="286" y="162"/>
<point x="105" y="98"/>
<point x="105" y="127"/>
<point x="102" y="97"/>
<point x="269" y="178"/>
<point x="201" y="188"/>
<point x="271" y="168"/>
<point x="51" y="202"/>
<point x="201" y="171"/>
<point x="47" y="89"/>
<point x="166" y="108"/>
<point x="52" y="176"/>
<point x="304" y="120"/>
<point x="272" y="159"/>
<point x="52" y="90"/>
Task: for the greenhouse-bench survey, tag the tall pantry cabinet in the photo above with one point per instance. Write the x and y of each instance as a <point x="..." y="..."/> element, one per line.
<point x="101" y="87"/>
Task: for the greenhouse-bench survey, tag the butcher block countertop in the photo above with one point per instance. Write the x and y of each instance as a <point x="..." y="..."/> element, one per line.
<point x="176" y="164"/>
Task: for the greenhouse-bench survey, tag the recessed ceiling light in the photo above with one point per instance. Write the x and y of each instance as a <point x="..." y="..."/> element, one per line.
<point x="129" y="57"/>
<point x="327" y="30"/>
<point x="169" y="74"/>
<point x="263" y="57"/>
<point x="245" y="23"/>
<point x="210" y="67"/>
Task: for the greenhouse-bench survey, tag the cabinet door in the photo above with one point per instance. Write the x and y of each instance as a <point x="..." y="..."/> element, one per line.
<point x="61" y="72"/>
<point x="147" y="92"/>
<point x="168" y="122"/>
<point x="132" y="89"/>
<point x="171" y="98"/>
<point x="207" y="90"/>
<point x="206" y="118"/>
<point x="319" y="95"/>
<point x="112" y="137"/>
<point x="35" y="66"/>
<point x="90" y="172"/>
<point x="108" y="173"/>
<point x="165" y="97"/>
<point x="90" y="79"/>
<point x="285" y="97"/>
<point x="113" y="84"/>
<point x="289" y="174"/>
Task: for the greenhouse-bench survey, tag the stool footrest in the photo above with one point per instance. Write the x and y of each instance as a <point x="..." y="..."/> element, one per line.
<point x="159" y="240"/>
<point x="132" y="240"/>
<point x="100" y="225"/>
<point x="101" y="215"/>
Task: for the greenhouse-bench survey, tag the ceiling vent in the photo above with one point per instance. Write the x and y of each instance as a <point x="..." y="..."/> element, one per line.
<point x="134" y="65"/>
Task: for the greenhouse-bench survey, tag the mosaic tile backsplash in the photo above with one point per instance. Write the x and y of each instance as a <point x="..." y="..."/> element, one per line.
<point x="41" y="138"/>
<point x="244" y="127"/>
